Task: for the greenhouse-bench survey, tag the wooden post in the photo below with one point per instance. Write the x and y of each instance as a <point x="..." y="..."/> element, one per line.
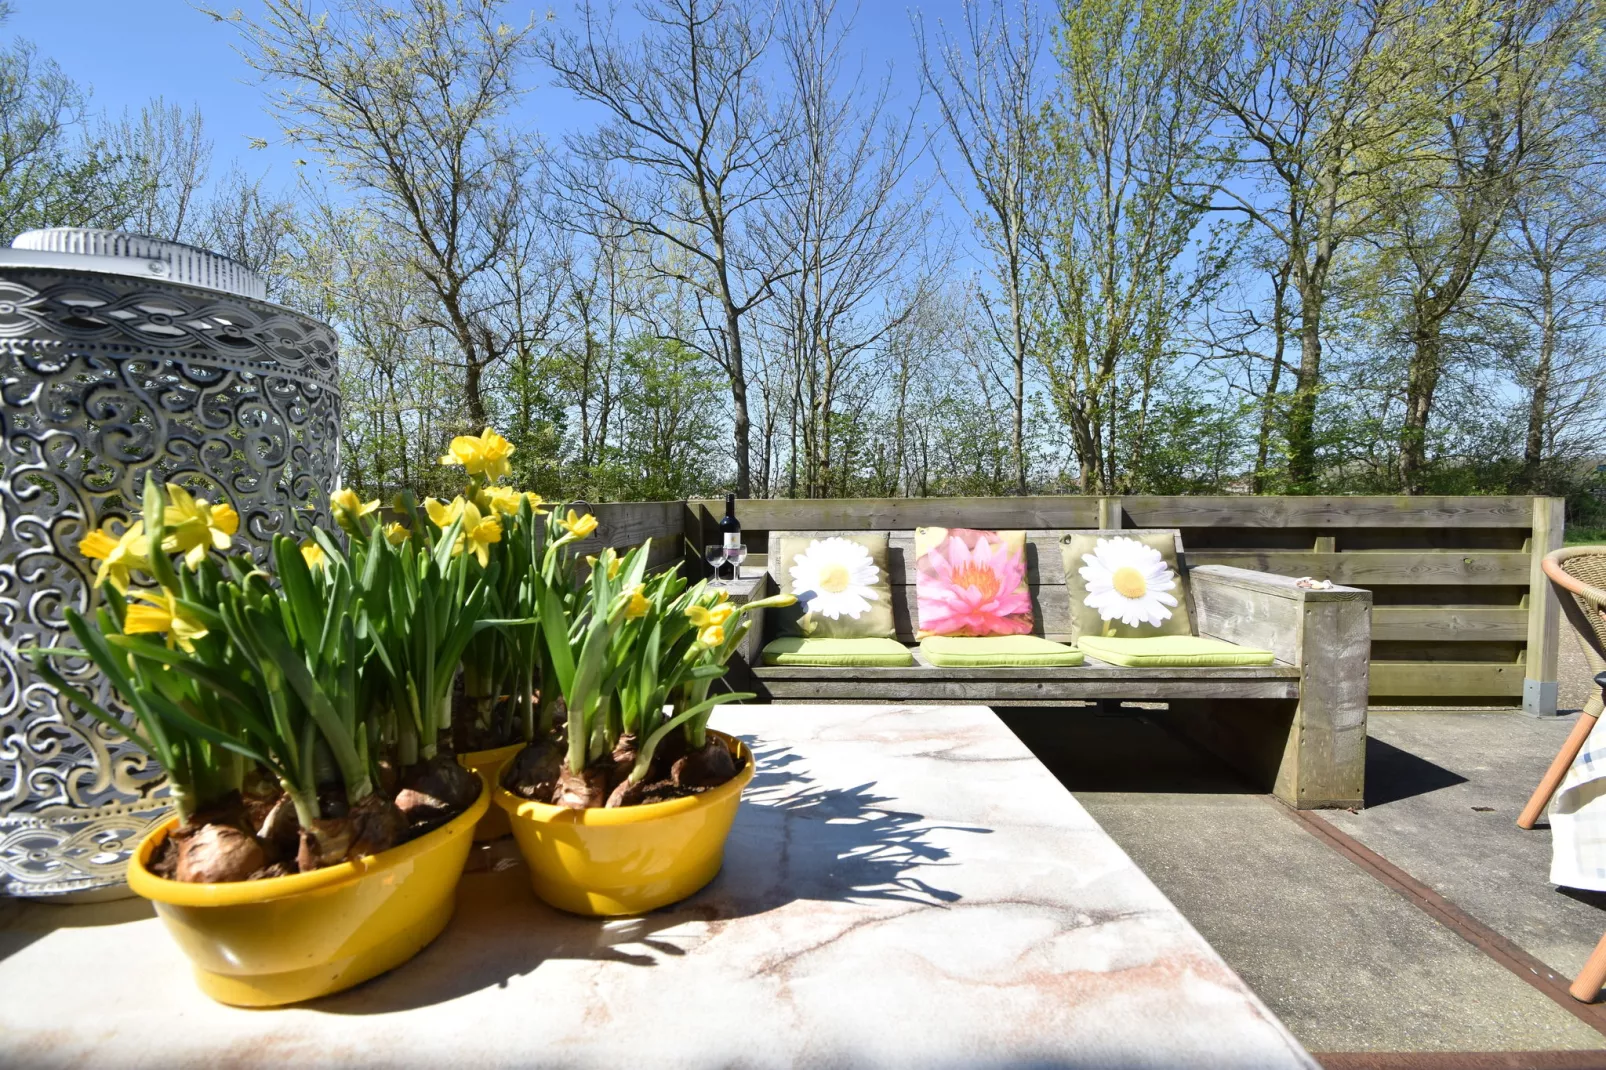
<point x="1110" y="514"/>
<point x="1544" y="611"/>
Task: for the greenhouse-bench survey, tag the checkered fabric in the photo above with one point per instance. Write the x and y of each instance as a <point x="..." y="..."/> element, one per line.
<point x="1578" y="819"/>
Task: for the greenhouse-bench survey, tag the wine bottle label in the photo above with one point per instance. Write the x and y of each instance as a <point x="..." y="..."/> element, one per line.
<point x="733" y="539"/>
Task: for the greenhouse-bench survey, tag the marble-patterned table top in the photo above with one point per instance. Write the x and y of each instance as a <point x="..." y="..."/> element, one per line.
<point x="904" y="886"/>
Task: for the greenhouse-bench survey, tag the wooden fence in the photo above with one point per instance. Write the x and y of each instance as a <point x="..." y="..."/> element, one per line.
<point x="1462" y="613"/>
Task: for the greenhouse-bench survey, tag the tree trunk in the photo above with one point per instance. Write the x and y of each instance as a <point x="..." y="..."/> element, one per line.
<point x="1533" y="448"/>
<point x="1268" y="404"/>
<point x="740" y="428"/>
<point x="1307" y="383"/>
<point x="1421" y="381"/>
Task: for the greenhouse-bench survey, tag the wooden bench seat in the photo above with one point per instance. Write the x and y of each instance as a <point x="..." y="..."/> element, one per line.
<point x="1298" y="725"/>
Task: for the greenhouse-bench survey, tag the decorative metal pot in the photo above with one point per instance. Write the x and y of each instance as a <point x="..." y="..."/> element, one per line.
<point x="121" y="355"/>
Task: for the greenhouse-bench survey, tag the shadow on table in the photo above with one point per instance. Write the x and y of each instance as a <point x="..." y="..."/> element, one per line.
<point x="794" y="839"/>
<point x="22" y="921"/>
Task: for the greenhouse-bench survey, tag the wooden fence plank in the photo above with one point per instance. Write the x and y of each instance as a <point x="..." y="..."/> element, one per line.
<point x="1341" y="511"/>
<point x="870" y="514"/>
<point x="1433" y="623"/>
<point x="1367" y="567"/>
<point x="1444" y="679"/>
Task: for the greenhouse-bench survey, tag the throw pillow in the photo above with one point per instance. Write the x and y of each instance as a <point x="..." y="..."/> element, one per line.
<point x="1125" y="584"/>
<point x="971" y="582"/>
<point x="841" y="584"/>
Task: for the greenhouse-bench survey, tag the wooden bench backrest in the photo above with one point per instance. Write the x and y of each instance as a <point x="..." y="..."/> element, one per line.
<point x="1045" y="576"/>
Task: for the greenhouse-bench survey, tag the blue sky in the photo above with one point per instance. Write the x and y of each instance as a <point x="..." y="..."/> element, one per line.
<point x="129" y="51"/>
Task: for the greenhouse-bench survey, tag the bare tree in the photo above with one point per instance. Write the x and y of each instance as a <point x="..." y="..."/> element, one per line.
<point x="852" y="224"/>
<point x="169" y="157"/>
<point x="684" y="160"/>
<point x="408" y="105"/>
<point x="987" y="91"/>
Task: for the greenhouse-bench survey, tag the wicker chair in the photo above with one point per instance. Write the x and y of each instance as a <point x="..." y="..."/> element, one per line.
<point x="1579" y="575"/>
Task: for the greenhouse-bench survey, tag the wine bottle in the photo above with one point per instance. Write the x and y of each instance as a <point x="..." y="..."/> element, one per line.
<point x="730" y="530"/>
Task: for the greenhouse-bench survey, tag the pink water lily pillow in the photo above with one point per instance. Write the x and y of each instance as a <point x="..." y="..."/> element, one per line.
<point x="971" y="582"/>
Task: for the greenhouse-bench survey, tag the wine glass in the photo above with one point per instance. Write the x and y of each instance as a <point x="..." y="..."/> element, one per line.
<point x="714" y="554"/>
<point x="736" y="555"/>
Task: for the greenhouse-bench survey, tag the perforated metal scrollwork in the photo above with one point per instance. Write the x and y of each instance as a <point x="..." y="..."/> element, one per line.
<point x="103" y="378"/>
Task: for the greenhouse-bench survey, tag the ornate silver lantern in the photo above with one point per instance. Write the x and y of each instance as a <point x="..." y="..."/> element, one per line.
<point x="122" y="355"/>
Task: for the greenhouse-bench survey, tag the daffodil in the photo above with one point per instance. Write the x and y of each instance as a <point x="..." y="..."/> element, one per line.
<point x="615" y="562"/>
<point x="638" y="605"/>
<point x="194" y="526"/>
<point x="479" y="531"/>
<point x="443" y="513"/>
<point x="117" y="554"/>
<point x="312" y="553"/>
<point x="577" y="525"/>
<point x="504" y="500"/>
<point x="485" y="454"/>
<point x="163" y="614"/>
<point x="349" y="508"/>
<point x="713" y="635"/>
<point x="705" y="617"/>
<point x="396" y="533"/>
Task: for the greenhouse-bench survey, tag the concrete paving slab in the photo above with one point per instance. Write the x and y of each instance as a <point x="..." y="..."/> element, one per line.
<point x="1443" y="793"/>
<point x="1346" y="962"/>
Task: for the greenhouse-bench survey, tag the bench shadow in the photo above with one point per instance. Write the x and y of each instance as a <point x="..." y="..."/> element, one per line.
<point x="1121" y="751"/>
<point x="1393" y="774"/>
<point x="793" y="839"/>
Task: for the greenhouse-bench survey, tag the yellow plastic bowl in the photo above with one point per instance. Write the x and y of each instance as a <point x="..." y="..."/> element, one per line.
<point x="630" y="859"/>
<point x="487" y="764"/>
<point x="269" y="942"/>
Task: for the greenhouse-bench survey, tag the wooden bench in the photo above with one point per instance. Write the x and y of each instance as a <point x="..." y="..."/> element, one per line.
<point x="1297" y="726"/>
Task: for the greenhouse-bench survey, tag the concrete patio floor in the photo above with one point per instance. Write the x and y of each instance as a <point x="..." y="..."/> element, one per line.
<point x="1349" y="962"/>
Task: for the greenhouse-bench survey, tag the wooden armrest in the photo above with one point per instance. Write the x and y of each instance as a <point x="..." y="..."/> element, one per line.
<point x="1262" y="610"/>
<point x="750" y="589"/>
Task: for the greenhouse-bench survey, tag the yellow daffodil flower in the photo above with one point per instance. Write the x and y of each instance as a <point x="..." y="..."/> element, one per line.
<point x="163" y="614"/>
<point x="713" y="635"/>
<point x="443" y="513"/>
<point x="312" y="553"/>
<point x="479" y="530"/>
<point x="349" y="508"/>
<point x="615" y="562"/>
<point x="479" y="533"/>
<point x="485" y="454"/>
<point x="117" y="554"/>
<point x="638" y="604"/>
<point x="536" y="501"/>
<point x="704" y="617"/>
<point x="194" y="526"/>
<point x="396" y="534"/>
<point x="504" y="500"/>
<point x="577" y="525"/>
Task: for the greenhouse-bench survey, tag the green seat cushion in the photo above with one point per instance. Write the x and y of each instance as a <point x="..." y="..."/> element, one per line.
<point x="1160" y="651"/>
<point x="797" y="650"/>
<point x="959" y="652"/>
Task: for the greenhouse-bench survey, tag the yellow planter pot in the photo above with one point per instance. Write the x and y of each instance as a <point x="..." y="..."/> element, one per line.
<point x="630" y="859"/>
<point x="487" y="764"/>
<point x="285" y="939"/>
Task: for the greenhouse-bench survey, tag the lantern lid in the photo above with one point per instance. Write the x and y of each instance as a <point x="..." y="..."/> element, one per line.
<point x="114" y="252"/>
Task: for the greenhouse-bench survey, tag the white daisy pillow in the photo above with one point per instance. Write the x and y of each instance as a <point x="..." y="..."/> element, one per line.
<point x="841" y="584"/>
<point x="1125" y="583"/>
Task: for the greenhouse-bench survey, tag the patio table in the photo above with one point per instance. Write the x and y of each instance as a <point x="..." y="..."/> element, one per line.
<point x="904" y="886"/>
